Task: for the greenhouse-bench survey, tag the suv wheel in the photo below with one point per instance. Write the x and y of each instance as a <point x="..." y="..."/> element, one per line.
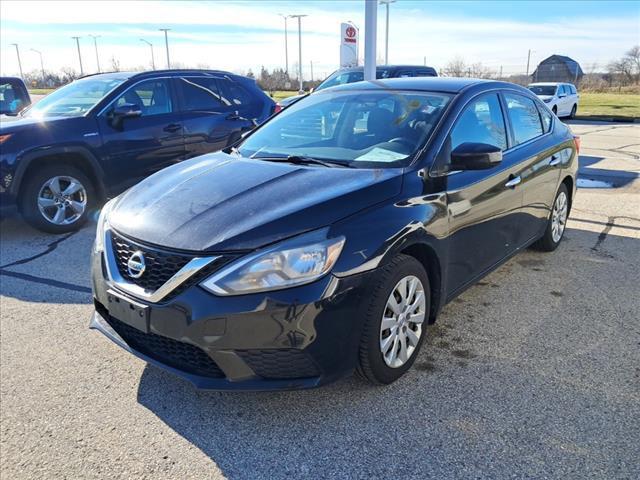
<point x="57" y="199"/>
<point x="555" y="110"/>
<point x="573" y="111"/>
<point x="394" y="325"/>
<point x="557" y="222"/>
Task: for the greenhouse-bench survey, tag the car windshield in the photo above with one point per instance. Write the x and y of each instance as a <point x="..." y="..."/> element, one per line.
<point x="364" y="128"/>
<point x="74" y="99"/>
<point x="549" y="90"/>
<point x="342" y="77"/>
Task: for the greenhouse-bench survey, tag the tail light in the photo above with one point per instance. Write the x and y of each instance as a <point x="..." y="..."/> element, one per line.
<point x="277" y="108"/>
<point x="576" y="140"/>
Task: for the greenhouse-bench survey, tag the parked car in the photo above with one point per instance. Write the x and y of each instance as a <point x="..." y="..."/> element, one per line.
<point x="356" y="74"/>
<point x="103" y="133"/>
<point x="303" y="254"/>
<point x="561" y="98"/>
<point x="14" y="96"/>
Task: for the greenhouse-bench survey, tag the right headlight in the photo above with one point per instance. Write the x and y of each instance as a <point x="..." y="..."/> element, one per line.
<point x="103" y="224"/>
<point x="291" y="264"/>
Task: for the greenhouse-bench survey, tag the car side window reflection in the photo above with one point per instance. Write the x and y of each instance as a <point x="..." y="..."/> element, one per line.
<point x="481" y="122"/>
<point x="152" y="96"/>
<point x="524" y="117"/>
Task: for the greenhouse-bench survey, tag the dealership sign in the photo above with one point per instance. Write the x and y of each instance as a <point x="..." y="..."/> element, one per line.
<point x="348" y="45"/>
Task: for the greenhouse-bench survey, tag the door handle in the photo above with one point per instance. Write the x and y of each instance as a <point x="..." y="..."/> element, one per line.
<point x="233" y="116"/>
<point x="172" y="127"/>
<point x="513" y="182"/>
<point x="555" y="160"/>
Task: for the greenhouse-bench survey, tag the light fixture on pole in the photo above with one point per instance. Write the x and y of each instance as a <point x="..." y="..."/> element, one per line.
<point x="18" y="54"/>
<point x="370" y="27"/>
<point x="153" y="60"/>
<point x="41" y="64"/>
<point x="286" y="43"/>
<point x="166" y="44"/>
<point x="386" y="38"/>
<point x="95" y="45"/>
<point x="77" y="39"/>
<point x="299" y="17"/>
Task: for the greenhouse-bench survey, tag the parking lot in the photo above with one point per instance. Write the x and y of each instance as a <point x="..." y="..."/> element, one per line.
<point x="533" y="373"/>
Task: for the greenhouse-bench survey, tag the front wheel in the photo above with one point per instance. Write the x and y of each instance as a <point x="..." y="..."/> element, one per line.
<point x="557" y="222"/>
<point x="555" y="110"/>
<point x="57" y="198"/>
<point x="394" y="327"/>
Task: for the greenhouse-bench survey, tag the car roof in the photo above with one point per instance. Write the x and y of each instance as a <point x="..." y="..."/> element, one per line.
<point x="385" y="67"/>
<point x="438" y="84"/>
<point x="170" y="73"/>
<point x="547" y="84"/>
<point x="11" y="79"/>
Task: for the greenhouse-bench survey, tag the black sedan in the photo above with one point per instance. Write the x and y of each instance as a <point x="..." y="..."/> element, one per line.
<point x="332" y="235"/>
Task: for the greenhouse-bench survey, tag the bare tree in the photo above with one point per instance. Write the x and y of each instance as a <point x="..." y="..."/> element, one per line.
<point x="633" y="57"/>
<point x="115" y="64"/>
<point x="455" y="68"/>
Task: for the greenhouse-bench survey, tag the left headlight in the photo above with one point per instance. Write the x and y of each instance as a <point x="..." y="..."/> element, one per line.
<point x="288" y="265"/>
<point x="103" y="224"/>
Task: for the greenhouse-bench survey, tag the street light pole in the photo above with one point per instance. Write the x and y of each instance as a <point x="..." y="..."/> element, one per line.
<point x="18" y="54"/>
<point x="153" y="60"/>
<point x="95" y="45"/>
<point x="77" y="39"/>
<point x="166" y="44"/>
<point x="286" y="44"/>
<point x="370" y="26"/>
<point x="41" y="64"/>
<point x="299" y="17"/>
<point x="386" y="40"/>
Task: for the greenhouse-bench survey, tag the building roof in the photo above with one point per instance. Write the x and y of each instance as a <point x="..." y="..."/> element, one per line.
<point x="572" y="65"/>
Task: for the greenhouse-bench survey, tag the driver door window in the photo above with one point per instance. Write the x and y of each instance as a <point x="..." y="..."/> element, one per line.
<point x="152" y="96"/>
<point x="481" y="121"/>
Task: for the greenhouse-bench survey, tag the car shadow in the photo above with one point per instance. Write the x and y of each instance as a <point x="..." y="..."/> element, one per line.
<point x="449" y="412"/>
<point x="590" y="176"/>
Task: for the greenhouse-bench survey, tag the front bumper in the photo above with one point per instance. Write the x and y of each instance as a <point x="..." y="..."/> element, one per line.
<point x="290" y="339"/>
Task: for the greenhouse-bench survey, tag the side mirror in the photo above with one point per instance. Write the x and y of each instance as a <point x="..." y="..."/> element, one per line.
<point x="475" y="156"/>
<point x="562" y="95"/>
<point x="126" y="110"/>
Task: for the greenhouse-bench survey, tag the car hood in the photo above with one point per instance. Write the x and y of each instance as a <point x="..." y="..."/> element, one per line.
<point x="12" y="124"/>
<point x="285" y="102"/>
<point x="221" y="202"/>
<point x="544" y="98"/>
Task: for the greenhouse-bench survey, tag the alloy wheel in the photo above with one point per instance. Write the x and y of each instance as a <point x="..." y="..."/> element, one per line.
<point x="401" y="326"/>
<point x="559" y="217"/>
<point x="62" y="200"/>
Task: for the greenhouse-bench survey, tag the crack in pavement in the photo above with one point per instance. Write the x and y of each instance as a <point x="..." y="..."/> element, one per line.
<point x="45" y="281"/>
<point x="50" y="248"/>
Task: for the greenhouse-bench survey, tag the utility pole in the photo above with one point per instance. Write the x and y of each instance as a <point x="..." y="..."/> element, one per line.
<point x="312" y="70"/>
<point x="425" y="60"/>
<point x="41" y="65"/>
<point x="77" y="39"/>
<point x="18" y="54"/>
<point x="166" y="43"/>
<point x="386" y="38"/>
<point x="528" y="61"/>
<point x="370" y="26"/>
<point x="95" y="45"/>
<point x="501" y="77"/>
<point x="153" y="60"/>
<point x="299" y="17"/>
<point x="286" y="44"/>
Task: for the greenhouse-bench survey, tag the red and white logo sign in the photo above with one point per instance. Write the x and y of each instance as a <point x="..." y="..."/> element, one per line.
<point x="351" y="32"/>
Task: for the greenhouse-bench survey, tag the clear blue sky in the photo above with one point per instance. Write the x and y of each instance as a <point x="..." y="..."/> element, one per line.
<point x="242" y="35"/>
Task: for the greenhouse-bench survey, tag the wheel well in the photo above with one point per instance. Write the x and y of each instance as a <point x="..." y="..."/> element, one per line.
<point x="76" y="160"/>
<point x="429" y="260"/>
<point x="568" y="182"/>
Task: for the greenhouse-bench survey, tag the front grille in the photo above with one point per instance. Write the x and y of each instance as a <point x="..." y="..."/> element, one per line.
<point x="280" y="364"/>
<point x="160" y="265"/>
<point x="180" y="355"/>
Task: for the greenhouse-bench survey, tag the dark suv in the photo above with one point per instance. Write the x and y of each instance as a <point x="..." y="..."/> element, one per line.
<point x="103" y="133"/>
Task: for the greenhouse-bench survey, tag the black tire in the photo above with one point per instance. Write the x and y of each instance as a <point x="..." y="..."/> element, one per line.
<point x="33" y="185"/>
<point x="372" y="366"/>
<point x="555" y="110"/>
<point x="547" y="243"/>
<point x="574" y="109"/>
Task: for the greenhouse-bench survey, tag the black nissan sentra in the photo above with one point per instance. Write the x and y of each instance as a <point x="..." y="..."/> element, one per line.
<point x="329" y="238"/>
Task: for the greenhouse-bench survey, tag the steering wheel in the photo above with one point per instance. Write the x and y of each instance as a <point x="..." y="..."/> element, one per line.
<point x="402" y="140"/>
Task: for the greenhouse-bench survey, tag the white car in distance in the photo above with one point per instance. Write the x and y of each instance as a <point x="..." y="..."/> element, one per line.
<point x="561" y="98"/>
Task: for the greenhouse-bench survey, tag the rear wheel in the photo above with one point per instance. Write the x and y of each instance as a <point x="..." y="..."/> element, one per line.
<point x="395" y="323"/>
<point x="557" y="222"/>
<point x="574" y="109"/>
<point x="57" y="198"/>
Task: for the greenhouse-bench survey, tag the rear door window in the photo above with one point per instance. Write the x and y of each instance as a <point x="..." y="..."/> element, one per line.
<point x="233" y="94"/>
<point x="200" y="94"/>
<point x="547" y="118"/>
<point x="481" y="121"/>
<point x="524" y="117"/>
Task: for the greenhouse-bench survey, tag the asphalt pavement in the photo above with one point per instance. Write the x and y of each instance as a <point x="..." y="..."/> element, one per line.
<point x="533" y="373"/>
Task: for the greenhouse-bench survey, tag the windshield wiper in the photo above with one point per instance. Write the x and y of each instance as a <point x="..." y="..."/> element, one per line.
<point x="304" y="160"/>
